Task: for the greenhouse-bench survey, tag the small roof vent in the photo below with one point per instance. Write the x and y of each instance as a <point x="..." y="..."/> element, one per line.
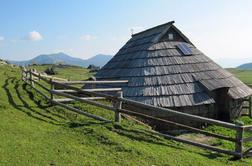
<point x="184" y="49"/>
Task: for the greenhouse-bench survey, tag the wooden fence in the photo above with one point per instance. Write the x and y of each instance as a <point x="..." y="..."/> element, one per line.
<point x="247" y="106"/>
<point x="92" y="96"/>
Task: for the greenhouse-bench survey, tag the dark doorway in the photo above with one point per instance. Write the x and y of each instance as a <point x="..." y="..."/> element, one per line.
<point x="222" y="104"/>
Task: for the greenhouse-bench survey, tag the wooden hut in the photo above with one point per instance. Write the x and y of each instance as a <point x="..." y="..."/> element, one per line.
<point x="165" y="69"/>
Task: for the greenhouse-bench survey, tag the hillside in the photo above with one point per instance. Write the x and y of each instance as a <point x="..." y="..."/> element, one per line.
<point x="246" y="66"/>
<point x="35" y="133"/>
<point x="243" y="75"/>
<point x="98" y="60"/>
<point x="69" y="72"/>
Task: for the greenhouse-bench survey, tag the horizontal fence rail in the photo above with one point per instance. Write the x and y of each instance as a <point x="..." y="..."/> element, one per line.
<point x="94" y="95"/>
<point x="139" y="104"/>
<point x="95" y="82"/>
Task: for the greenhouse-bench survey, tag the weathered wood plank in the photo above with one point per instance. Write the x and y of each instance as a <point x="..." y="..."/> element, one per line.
<point x="40" y="92"/>
<point x="191" y="128"/>
<point x="93" y="90"/>
<point x="104" y="90"/>
<point x="84" y="100"/>
<point x="205" y="146"/>
<point x="132" y="118"/>
<point x="247" y="128"/>
<point x="118" y="105"/>
<point x="87" y="98"/>
<point x="239" y="142"/>
<point x="31" y="78"/>
<point x="94" y="82"/>
<point x="128" y="112"/>
<point x="42" y="78"/>
<point x="41" y="85"/>
<point x="80" y="112"/>
<point x="184" y="126"/>
<point x="49" y="77"/>
<point x="65" y="90"/>
<point x="52" y="88"/>
<point x="250" y="107"/>
<point x="248" y="139"/>
<point x="156" y="109"/>
<point x="247" y="152"/>
<point x="188" y="116"/>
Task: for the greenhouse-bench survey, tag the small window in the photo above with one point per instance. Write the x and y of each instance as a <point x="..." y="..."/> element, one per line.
<point x="184" y="49"/>
<point x="170" y="36"/>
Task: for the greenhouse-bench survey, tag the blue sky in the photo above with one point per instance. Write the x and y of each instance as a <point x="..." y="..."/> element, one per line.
<point x="222" y="29"/>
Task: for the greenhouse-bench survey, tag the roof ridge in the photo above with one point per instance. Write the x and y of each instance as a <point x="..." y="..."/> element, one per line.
<point x="168" y="23"/>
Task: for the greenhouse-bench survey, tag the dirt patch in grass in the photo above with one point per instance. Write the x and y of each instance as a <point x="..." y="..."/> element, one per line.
<point x="200" y="138"/>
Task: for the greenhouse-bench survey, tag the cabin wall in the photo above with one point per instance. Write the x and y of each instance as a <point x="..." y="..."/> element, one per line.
<point x="236" y="108"/>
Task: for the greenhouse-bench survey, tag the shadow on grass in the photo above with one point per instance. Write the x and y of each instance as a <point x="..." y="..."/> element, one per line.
<point x="13" y="101"/>
<point x="8" y="93"/>
<point x="146" y="136"/>
<point x="215" y="155"/>
<point x="141" y="136"/>
<point x="210" y="155"/>
<point x="37" y="101"/>
<point x="76" y="124"/>
<point x="133" y="134"/>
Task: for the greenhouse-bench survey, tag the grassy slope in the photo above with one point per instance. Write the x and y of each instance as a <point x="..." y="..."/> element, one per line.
<point x="244" y="75"/>
<point x="71" y="72"/>
<point x="32" y="133"/>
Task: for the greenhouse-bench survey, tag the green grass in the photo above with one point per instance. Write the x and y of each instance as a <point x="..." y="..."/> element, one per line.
<point x="243" y="75"/>
<point x="35" y="133"/>
<point x="69" y="72"/>
<point x="231" y="133"/>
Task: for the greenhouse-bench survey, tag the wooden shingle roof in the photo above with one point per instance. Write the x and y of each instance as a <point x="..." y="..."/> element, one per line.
<point x="159" y="74"/>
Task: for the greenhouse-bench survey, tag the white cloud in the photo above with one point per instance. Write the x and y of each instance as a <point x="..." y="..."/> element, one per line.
<point x="88" y="37"/>
<point x="1" y="38"/>
<point x="33" y="36"/>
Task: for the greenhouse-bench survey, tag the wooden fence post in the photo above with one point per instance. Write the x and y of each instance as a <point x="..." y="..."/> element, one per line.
<point x="52" y="88"/>
<point x="31" y="77"/>
<point x="239" y="141"/>
<point x="22" y="73"/>
<point x="93" y="86"/>
<point x="26" y="75"/>
<point x="118" y="105"/>
<point x="250" y="107"/>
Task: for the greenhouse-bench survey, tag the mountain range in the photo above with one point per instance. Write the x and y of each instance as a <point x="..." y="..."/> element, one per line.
<point x="246" y="66"/>
<point x="98" y="60"/>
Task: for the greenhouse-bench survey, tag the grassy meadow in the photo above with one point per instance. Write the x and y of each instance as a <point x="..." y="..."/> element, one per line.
<point x="35" y="133"/>
<point x="244" y="75"/>
<point x="68" y="72"/>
